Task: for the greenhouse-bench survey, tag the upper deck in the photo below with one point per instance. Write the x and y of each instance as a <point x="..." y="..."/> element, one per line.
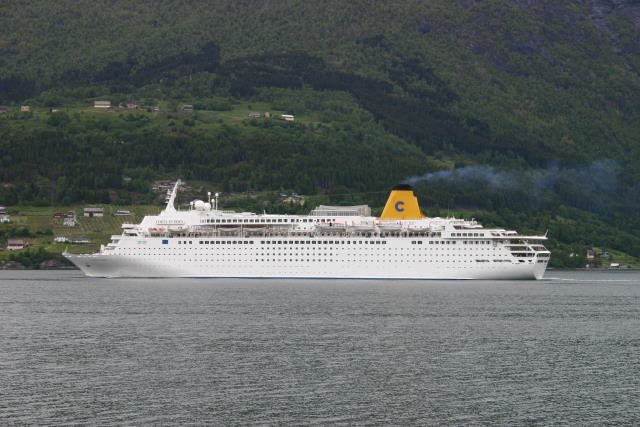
<point x="205" y="219"/>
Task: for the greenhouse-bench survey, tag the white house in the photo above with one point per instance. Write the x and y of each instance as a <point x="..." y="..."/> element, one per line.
<point x="70" y="221"/>
<point x="15" y="244"/>
<point x="93" y="212"/>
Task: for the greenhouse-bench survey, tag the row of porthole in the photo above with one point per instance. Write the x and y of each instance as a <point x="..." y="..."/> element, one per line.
<point x="379" y="250"/>
<point x="313" y="246"/>
<point x="385" y="250"/>
<point x="324" y="260"/>
<point x="370" y="247"/>
<point x="330" y="242"/>
<point x="296" y="253"/>
<point x="308" y="260"/>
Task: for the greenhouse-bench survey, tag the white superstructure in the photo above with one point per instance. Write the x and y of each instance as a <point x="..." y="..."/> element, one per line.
<point x="331" y="242"/>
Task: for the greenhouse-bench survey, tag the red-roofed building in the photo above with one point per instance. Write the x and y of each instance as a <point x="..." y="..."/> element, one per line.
<point x="16" y="244"/>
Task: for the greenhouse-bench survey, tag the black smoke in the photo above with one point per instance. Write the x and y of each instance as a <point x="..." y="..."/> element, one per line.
<point x="598" y="187"/>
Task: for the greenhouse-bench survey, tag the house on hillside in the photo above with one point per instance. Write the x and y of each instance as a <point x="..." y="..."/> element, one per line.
<point x="187" y="108"/>
<point x="16" y="244"/>
<point x="3" y="109"/>
<point x="288" y="117"/>
<point x="255" y="115"/>
<point x="93" y="212"/>
<point x="5" y="218"/>
<point x="70" y="221"/>
<point x="132" y="106"/>
<point x="591" y="258"/>
<point x="122" y="212"/>
<point x="25" y="108"/>
<point x="102" y="104"/>
<point x="292" y="199"/>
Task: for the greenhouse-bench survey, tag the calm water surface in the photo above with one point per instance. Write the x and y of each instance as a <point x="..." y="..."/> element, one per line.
<point x="75" y="350"/>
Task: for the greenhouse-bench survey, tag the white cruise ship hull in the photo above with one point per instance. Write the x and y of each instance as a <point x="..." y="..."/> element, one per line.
<point x="332" y="242"/>
<point x="396" y="260"/>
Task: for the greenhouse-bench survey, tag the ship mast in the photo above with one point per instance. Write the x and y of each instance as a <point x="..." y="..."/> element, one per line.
<point x="170" y="202"/>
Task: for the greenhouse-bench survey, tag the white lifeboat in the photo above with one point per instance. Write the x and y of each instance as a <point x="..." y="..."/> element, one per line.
<point x="389" y="226"/>
<point x="254" y="227"/>
<point x="362" y="227"/>
<point x="334" y="227"/>
<point x="418" y="228"/>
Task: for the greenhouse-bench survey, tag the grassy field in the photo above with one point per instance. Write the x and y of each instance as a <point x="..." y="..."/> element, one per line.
<point x="625" y="260"/>
<point x="38" y="226"/>
<point x="239" y="111"/>
<point x="44" y="227"/>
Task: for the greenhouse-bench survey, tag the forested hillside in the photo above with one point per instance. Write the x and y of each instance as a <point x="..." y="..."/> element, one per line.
<point x="544" y="96"/>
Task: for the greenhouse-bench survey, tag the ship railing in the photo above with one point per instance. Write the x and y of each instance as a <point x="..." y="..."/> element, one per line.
<point x="527" y="238"/>
<point x="538" y="247"/>
<point x="277" y="232"/>
<point x="518" y="247"/>
<point x="523" y="254"/>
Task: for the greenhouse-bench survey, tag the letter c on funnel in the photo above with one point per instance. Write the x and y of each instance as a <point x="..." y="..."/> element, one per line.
<point x="399" y="206"/>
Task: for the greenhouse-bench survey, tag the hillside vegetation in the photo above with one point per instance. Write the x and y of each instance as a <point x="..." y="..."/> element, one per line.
<point x="544" y="95"/>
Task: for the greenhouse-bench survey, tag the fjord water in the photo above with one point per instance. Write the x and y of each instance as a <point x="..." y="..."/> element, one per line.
<point x="98" y="351"/>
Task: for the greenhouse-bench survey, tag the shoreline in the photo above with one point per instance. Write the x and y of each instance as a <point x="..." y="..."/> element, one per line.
<point x="51" y="264"/>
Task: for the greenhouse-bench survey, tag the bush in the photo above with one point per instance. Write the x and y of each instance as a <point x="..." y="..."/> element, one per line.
<point x="31" y="258"/>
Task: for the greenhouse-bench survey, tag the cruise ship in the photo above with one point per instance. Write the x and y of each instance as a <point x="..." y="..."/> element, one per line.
<point x="330" y="242"/>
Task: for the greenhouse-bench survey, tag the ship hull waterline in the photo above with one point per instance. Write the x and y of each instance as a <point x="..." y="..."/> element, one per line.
<point x="114" y="266"/>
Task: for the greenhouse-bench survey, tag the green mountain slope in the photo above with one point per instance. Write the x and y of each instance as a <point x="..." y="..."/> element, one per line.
<point x="382" y="91"/>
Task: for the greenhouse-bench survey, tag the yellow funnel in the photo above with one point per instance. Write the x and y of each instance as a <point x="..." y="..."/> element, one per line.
<point x="402" y="204"/>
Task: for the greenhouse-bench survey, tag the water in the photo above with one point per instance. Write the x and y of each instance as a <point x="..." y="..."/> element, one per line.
<point x="93" y="351"/>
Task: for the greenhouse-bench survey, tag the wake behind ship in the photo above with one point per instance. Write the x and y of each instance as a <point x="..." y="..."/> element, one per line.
<point x="330" y="242"/>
